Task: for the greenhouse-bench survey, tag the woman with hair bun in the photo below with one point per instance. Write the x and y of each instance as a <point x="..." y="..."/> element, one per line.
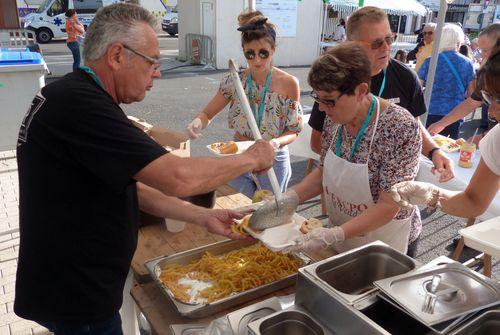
<point x="273" y="95"/>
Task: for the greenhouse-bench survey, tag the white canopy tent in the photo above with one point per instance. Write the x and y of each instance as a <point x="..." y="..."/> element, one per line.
<point x="394" y="7"/>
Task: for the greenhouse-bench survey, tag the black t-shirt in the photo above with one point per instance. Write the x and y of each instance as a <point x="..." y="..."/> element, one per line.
<point x="77" y="154"/>
<point x="401" y="87"/>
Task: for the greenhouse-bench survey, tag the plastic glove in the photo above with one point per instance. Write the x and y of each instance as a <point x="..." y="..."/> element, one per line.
<point x="409" y="193"/>
<point x="317" y="239"/>
<point x="275" y="143"/>
<point x="194" y="128"/>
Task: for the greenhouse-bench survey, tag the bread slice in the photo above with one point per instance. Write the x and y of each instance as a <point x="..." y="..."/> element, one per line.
<point x="310" y="224"/>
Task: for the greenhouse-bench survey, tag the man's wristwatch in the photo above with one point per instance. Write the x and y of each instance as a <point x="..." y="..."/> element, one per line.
<point x="431" y="153"/>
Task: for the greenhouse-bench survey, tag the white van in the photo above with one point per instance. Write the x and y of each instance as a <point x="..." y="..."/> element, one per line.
<point x="50" y="20"/>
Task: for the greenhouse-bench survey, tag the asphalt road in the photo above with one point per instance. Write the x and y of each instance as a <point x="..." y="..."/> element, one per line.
<point x="181" y="94"/>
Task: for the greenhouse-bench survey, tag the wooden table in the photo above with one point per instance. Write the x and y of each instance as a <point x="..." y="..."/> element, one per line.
<point x="155" y="240"/>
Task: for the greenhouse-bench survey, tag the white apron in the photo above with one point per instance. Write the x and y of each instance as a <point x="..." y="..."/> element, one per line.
<point x="347" y="195"/>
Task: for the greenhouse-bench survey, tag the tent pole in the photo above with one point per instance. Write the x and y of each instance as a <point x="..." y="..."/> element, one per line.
<point x="251" y="5"/>
<point x="397" y="31"/>
<point x="434" y="57"/>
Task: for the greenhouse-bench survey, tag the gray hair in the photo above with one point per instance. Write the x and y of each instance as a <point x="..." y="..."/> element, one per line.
<point x="431" y="25"/>
<point x="452" y="35"/>
<point x="116" y="23"/>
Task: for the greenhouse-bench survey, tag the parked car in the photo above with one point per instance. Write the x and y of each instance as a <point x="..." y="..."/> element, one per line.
<point x="167" y="19"/>
<point x="173" y="27"/>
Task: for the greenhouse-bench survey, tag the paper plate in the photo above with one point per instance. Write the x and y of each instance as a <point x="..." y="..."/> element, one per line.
<point x="279" y="237"/>
<point x="242" y="147"/>
<point x="449" y="147"/>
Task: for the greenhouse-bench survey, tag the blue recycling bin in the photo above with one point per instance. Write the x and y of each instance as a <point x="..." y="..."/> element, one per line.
<point x="22" y="75"/>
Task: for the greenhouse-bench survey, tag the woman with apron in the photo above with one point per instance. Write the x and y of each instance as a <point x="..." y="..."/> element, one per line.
<point x="274" y="98"/>
<point x="375" y="145"/>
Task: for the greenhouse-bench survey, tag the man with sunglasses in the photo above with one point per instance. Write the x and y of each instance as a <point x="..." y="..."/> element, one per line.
<point x="85" y="170"/>
<point x="426" y="50"/>
<point x="391" y="80"/>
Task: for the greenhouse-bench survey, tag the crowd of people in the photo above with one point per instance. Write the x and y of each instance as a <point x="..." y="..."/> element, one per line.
<point x="85" y="170"/>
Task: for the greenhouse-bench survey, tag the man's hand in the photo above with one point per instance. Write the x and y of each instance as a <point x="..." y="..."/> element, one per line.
<point x="442" y="165"/>
<point x="408" y="193"/>
<point x="317" y="239"/>
<point x="219" y="221"/>
<point x="263" y="154"/>
<point x="435" y="128"/>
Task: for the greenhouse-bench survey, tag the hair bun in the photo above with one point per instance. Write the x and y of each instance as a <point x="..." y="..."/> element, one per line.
<point x="247" y="17"/>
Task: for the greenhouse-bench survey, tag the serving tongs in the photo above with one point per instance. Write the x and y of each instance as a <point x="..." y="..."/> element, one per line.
<point x="269" y="214"/>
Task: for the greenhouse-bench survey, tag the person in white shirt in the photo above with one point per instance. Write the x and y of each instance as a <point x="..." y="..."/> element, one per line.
<point x="340" y="35"/>
<point x="485" y="182"/>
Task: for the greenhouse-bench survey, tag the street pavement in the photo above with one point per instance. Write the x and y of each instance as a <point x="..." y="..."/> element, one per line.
<point x="183" y="91"/>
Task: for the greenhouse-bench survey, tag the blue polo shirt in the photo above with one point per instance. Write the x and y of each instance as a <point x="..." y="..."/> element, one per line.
<point x="447" y="92"/>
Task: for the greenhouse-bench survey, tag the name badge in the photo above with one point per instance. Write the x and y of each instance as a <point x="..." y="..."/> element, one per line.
<point x="394" y="100"/>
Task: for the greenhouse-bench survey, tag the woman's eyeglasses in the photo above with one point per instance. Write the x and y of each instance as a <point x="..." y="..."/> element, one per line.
<point x="250" y="54"/>
<point x="326" y="102"/>
<point x="378" y="43"/>
<point x="488" y="98"/>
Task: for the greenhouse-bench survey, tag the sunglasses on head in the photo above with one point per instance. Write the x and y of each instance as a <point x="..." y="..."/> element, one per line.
<point x="326" y="102"/>
<point x="250" y="54"/>
<point x="488" y="98"/>
<point x="378" y="43"/>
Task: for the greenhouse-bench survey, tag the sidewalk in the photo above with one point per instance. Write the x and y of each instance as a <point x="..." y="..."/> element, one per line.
<point x="10" y="324"/>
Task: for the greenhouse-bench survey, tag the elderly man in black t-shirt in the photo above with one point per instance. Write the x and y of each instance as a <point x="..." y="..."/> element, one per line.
<point x="391" y="80"/>
<point x="85" y="170"/>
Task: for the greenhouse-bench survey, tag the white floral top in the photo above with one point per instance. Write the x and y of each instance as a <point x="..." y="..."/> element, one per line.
<point x="281" y="114"/>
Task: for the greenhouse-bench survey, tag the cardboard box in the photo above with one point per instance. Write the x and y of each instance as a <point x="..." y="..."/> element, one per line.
<point x="171" y="139"/>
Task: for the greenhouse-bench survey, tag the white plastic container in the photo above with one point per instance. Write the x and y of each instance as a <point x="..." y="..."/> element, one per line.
<point x="18" y="86"/>
<point x="175" y="226"/>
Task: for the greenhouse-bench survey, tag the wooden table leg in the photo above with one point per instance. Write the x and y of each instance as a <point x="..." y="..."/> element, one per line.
<point x="460" y="246"/>
<point x="487" y="265"/>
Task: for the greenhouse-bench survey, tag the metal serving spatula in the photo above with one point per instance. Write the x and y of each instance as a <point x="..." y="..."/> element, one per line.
<point x="269" y="215"/>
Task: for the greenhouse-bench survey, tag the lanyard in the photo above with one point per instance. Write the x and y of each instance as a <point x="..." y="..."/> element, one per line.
<point x="382" y="86"/>
<point x="361" y="132"/>
<point x="262" y="102"/>
<point x="93" y="75"/>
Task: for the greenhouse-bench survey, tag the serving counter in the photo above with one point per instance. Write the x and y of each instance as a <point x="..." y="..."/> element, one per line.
<point x="154" y="240"/>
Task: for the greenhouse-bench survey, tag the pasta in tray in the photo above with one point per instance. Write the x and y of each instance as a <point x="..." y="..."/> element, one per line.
<point x="235" y="271"/>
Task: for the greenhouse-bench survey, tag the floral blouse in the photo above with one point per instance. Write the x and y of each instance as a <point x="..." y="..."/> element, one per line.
<point x="280" y="114"/>
<point x="394" y="155"/>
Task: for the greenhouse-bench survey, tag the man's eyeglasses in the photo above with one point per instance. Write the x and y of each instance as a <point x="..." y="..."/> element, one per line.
<point x="378" y="43"/>
<point x="250" y="54"/>
<point x="155" y="63"/>
<point x="488" y="98"/>
<point x="326" y="102"/>
<point x="427" y="33"/>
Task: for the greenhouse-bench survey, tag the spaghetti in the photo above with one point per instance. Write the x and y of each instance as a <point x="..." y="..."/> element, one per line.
<point x="235" y="271"/>
<point x="240" y="228"/>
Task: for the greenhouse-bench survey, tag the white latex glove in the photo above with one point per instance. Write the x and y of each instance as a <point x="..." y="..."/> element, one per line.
<point x="275" y="143"/>
<point x="409" y="193"/>
<point x="194" y="128"/>
<point x="317" y="239"/>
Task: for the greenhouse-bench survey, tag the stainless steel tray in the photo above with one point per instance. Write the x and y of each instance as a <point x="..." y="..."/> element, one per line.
<point x="188" y="329"/>
<point x="194" y="311"/>
<point x="476" y="292"/>
<point x="350" y="275"/>
<point x="239" y="320"/>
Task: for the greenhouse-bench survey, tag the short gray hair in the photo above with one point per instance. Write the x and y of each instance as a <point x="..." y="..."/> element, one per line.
<point x="115" y="23"/>
<point x="451" y="36"/>
<point x="430" y="25"/>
